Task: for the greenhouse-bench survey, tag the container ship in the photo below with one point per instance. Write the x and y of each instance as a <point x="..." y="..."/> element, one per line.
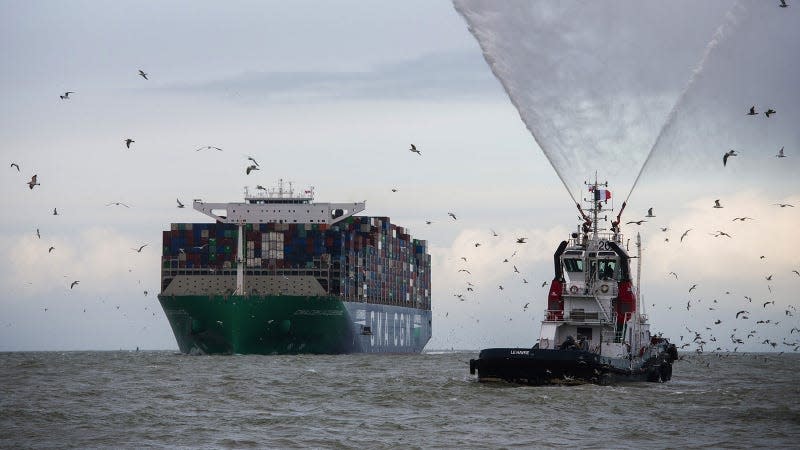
<point x="281" y="274"/>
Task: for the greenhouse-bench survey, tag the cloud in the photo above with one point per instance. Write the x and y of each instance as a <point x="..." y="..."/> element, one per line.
<point x="447" y="75"/>
<point x="101" y="258"/>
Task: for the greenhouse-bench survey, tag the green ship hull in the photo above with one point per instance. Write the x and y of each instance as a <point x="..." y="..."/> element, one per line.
<point x="282" y="324"/>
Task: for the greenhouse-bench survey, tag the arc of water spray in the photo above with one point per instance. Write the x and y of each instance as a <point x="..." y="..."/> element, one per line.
<point x="722" y="32"/>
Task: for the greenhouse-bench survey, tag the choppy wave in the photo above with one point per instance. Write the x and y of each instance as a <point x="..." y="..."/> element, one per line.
<point x="160" y="399"/>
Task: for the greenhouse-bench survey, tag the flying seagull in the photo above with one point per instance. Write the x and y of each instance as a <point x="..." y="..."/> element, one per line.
<point x="33" y="182"/>
<point x="254" y="161"/>
<point x="783" y="4"/>
<point x="118" y="204"/>
<point x="38" y="235"/>
<point x="209" y="147"/>
<point x="66" y="95"/>
<point x="770" y="111"/>
<point x="142" y="74"/>
<point x="414" y="149"/>
<point x="128" y="142"/>
<point x="494" y="233"/>
<point x="779" y="155"/>
<point x="50" y="250"/>
<point x="521" y="240"/>
<point x="716" y="204"/>
<point x="691" y="288"/>
<point x="15" y="165"/>
<point x="55" y="211"/>
<point x="637" y="222"/>
<point x="650" y="213"/>
<point x="139" y="250"/>
<point x="452" y="215"/>
<point x="752" y="111"/>
<point x="180" y="205"/>
<point x="782" y="205"/>
<point x="251" y="168"/>
<point x="73" y="284"/>
<point x="674" y="274"/>
<point x="728" y="154"/>
<point x="742" y="219"/>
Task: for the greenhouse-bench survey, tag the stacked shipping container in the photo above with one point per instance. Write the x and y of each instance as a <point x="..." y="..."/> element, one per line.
<point x="359" y="259"/>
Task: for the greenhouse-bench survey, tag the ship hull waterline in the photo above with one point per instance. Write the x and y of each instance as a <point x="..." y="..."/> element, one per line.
<point x="283" y="324"/>
<point x="539" y="367"/>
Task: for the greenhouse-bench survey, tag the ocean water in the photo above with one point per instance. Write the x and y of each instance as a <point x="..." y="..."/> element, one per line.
<point x="164" y="399"/>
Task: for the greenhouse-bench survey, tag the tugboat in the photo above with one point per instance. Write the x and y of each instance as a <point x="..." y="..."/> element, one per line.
<point x="594" y="329"/>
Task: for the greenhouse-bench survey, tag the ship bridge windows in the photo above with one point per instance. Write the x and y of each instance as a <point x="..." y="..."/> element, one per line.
<point x="573" y="264"/>
<point x="606" y="269"/>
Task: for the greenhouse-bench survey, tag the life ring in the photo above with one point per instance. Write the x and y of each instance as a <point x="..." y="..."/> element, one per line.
<point x="573" y="289"/>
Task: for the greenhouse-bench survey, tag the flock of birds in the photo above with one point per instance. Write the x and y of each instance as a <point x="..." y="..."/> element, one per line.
<point x="739" y="335"/>
<point x="744" y="332"/>
<point x="34" y="182"/>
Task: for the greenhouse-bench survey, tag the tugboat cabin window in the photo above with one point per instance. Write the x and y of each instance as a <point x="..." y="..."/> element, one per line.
<point x="573" y="265"/>
<point x="607" y="268"/>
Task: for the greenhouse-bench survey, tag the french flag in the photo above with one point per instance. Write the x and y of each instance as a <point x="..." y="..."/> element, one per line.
<point x="601" y="194"/>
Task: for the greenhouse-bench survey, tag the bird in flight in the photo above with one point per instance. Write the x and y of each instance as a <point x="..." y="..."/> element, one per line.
<point x="128" y="142"/>
<point x="742" y="219"/>
<point x="521" y="240"/>
<point x="66" y="95"/>
<point x="142" y="74"/>
<point x="477" y="244"/>
<point x="50" y="250"/>
<point x="251" y="168"/>
<point x="769" y="278"/>
<point x="716" y="204"/>
<point x="465" y="270"/>
<point x="73" y="284"/>
<point x="118" y="204"/>
<point x="685" y="233"/>
<point x="783" y="4"/>
<point x="250" y="158"/>
<point x="452" y="215"/>
<point x="637" y="222"/>
<point x="782" y="205"/>
<point x="752" y="111"/>
<point x="720" y="233"/>
<point x="414" y="149"/>
<point x="727" y="155"/>
<point x="494" y="234"/>
<point x="798" y="273"/>
<point x="501" y="287"/>
<point x="770" y="111"/>
<point x="209" y="147"/>
<point x="33" y="182"/>
<point x="428" y="222"/>
<point x="779" y="155"/>
<point x="674" y="274"/>
<point x="55" y="211"/>
<point x="15" y="165"/>
<point x="139" y="250"/>
<point x="180" y="205"/>
<point x="650" y="213"/>
<point x="692" y="288"/>
<point x="38" y="235"/>
<point x="526" y="306"/>
<point x="516" y="270"/>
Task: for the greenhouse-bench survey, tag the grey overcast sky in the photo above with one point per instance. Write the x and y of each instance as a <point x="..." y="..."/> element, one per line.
<point x="331" y="94"/>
